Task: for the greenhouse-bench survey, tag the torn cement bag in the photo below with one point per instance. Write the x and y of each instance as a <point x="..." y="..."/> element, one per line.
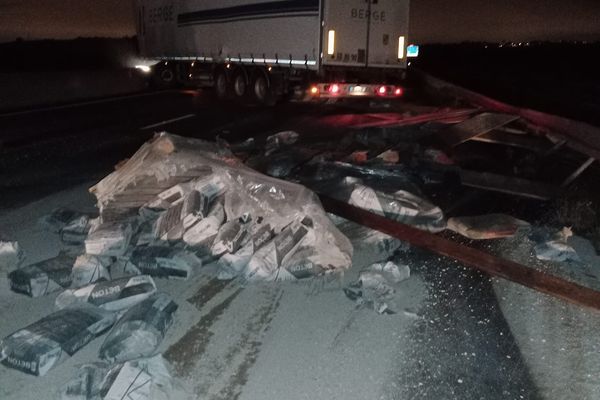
<point x="144" y="379"/>
<point x="203" y="233"/>
<point x="266" y="262"/>
<point x="229" y="239"/>
<point x="232" y="264"/>
<point x="43" y="278"/>
<point x="10" y="256"/>
<point x="109" y="239"/>
<point x="377" y="285"/>
<point x="140" y="330"/>
<point x="60" y="218"/>
<point x="163" y="262"/>
<point x="76" y="231"/>
<point x="286" y="138"/>
<point x="374" y="245"/>
<point x="90" y="269"/>
<point x="39" y="347"/>
<point x="492" y="226"/>
<point x="555" y="247"/>
<point x="400" y="206"/>
<point x="169" y="226"/>
<point x="115" y="295"/>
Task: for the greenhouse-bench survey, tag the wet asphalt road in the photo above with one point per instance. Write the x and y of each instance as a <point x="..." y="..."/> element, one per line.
<point x="462" y="348"/>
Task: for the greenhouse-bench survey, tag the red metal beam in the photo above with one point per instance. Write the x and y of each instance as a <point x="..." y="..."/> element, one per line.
<point x="492" y="265"/>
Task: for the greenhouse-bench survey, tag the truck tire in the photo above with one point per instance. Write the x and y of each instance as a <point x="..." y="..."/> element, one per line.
<point x="165" y="76"/>
<point x="239" y="84"/>
<point x="261" y="89"/>
<point x="221" y="85"/>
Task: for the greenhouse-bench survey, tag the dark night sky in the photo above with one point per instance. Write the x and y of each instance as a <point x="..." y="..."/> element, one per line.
<point x="432" y="20"/>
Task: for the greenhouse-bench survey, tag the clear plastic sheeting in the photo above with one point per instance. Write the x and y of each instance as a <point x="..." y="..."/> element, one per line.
<point x="139" y="332"/>
<point x="115" y="295"/>
<point x="41" y="346"/>
<point x="144" y="379"/>
<point x="207" y="200"/>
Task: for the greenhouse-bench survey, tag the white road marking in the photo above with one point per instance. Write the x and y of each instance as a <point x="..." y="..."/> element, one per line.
<point x="170" y="121"/>
<point x="87" y="103"/>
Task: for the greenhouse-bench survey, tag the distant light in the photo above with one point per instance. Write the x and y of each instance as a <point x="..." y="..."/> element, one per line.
<point x="270" y="69"/>
<point x="331" y="43"/>
<point x="401" y="45"/>
<point x="228" y="66"/>
<point x="412" y="51"/>
<point x="193" y="63"/>
<point x="144" y="68"/>
<point x="190" y="75"/>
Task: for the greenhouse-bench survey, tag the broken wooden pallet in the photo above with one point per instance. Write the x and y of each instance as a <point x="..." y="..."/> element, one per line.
<point x="476" y="126"/>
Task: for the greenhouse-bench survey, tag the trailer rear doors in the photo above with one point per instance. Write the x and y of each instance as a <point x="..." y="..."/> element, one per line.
<point x="365" y="33"/>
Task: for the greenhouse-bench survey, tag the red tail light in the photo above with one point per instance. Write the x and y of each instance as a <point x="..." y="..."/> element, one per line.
<point x="334" y="89"/>
<point x="382" y="90"/>
<point x="398" y="92"/>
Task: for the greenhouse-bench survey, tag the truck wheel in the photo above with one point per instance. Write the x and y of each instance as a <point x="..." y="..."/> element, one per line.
<point x="240" y="84"/>
<point x="164" y="76"/>
<point x="262" y="92"/>
<point x="221" y="85"/>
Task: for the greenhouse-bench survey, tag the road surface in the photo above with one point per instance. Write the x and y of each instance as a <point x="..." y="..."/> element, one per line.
<point x="278" y="341"/>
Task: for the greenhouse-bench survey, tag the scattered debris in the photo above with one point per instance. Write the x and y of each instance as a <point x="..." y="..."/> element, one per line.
<point x="39" y="347"/>
<point x="555" y="247"/>
<point x="389" y="157"/>
<point x="139" y="332"/>
<point x="75" y="231"/>
<point x="43" y="278"/>
<point x="144" y="379"/>
<point x="59" y="219"/>
<point x="275" y="142"/>
<point x="491" y="226"/>
<point x="10" y="256"/>
<point x="90" y="269"/>
<point x="115" y="295"/>
<point x="377" y="285"/>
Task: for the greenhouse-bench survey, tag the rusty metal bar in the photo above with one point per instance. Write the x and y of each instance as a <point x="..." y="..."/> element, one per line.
<point x="479" y="260"/>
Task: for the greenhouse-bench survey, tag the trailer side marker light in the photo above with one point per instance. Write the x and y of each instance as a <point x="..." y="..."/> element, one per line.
<point x="401" y="46"/>
<point x="331" y="43"/>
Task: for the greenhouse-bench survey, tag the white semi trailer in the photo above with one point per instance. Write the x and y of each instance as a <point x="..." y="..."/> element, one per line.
<point x="264" y="50"/>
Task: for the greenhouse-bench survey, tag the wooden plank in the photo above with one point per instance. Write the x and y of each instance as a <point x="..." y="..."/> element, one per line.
<point x="508" y="184"/>
<point x="477" y="259"/>
<point x="588" y="163"/>
<point x="476" y="126"/>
